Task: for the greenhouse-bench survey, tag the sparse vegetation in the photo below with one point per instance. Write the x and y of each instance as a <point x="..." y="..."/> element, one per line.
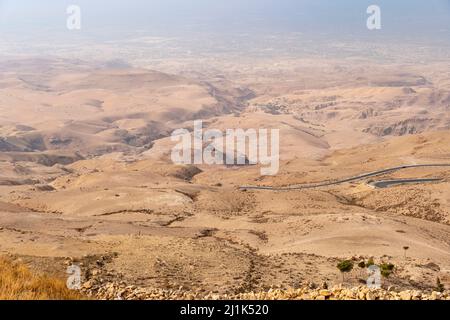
<point x="345" y="267"/>
<point x="362" y="267"/>
<point x="439" y="286"/>
<point x="405" y="248"/>
<point x="17" y="282"/>
<point x="386" y="269"/>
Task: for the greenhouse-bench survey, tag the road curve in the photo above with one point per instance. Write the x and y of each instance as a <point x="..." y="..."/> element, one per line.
<point x="341" y="181"/>
<point x="396" y="182"/>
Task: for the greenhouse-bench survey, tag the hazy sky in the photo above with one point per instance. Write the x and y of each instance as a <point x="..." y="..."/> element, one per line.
<point x="414" y="16"/>
<point x="223" y="26"/>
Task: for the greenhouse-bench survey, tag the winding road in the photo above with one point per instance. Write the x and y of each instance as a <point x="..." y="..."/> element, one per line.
<point x="341" y="181"/>
<point x="396" y="182"/>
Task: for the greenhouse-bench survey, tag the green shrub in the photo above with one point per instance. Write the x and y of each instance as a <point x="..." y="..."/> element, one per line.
<point x="344" y="267"/>
<point x="386" y="269"/>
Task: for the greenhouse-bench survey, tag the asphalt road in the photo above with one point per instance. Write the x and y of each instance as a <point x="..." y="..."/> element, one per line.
<point x="389" y="183"/>
<point x="341" y="181"/>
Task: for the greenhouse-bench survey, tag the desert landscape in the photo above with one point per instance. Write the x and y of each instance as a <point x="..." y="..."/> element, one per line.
<point x="87" y="179"/>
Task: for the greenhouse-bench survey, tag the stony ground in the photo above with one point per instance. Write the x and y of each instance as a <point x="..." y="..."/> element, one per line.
<point x="117" y="291"/>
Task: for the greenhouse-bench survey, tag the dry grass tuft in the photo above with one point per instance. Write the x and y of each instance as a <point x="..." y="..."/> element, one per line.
<point x="17" y="282"/>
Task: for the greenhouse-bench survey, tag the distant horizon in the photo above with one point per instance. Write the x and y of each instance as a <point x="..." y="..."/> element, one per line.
<point x="255" y="16"/>
<point x="204" y="28"/>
